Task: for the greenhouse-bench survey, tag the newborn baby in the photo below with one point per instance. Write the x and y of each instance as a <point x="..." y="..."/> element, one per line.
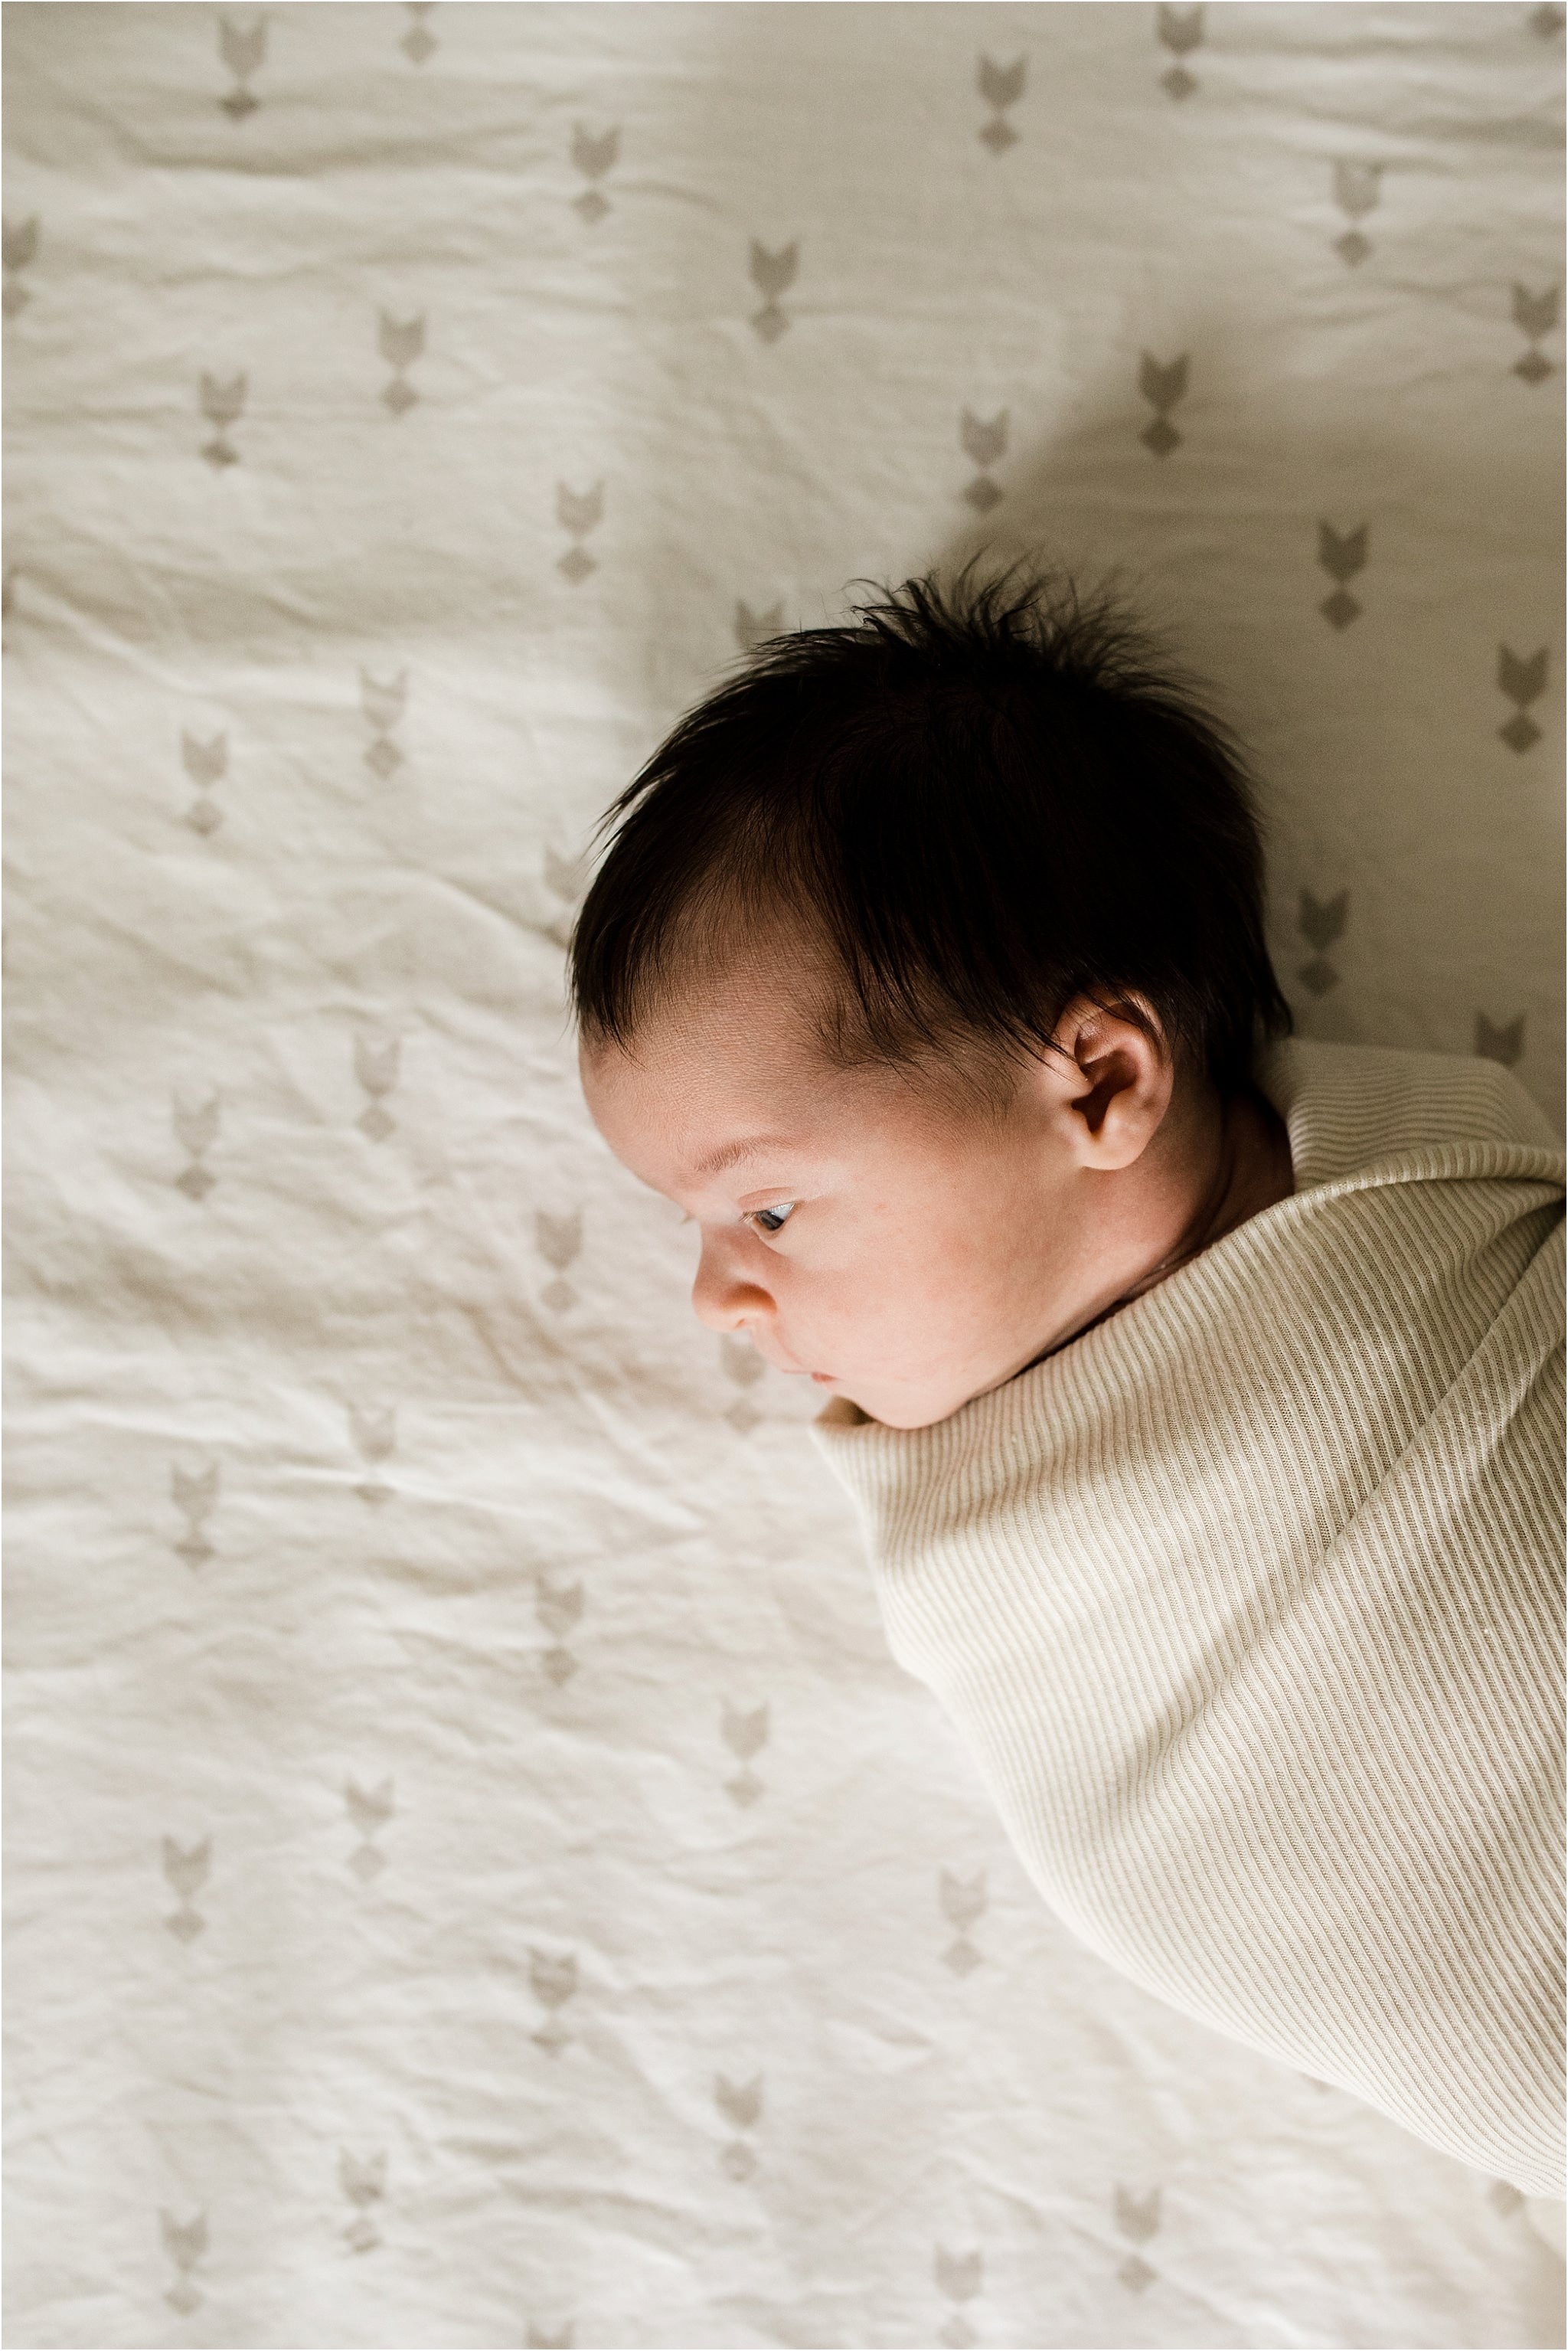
<point x="1199" y="1388"/>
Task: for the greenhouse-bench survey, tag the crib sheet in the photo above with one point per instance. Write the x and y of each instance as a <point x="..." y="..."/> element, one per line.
<point x="476" y="1877"/>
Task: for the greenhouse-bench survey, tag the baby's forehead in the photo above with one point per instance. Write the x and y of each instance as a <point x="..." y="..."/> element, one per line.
<point x="725" y="1095"/>
<point x="698" y="1075"/>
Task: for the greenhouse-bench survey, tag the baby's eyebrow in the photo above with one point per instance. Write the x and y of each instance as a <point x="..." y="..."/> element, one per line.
<point x="744" y="1147"/>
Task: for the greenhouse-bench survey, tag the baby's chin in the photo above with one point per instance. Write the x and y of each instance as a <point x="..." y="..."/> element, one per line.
<point x="895" y="1408"/>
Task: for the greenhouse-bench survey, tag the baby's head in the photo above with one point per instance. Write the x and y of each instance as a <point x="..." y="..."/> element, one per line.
<point x="924" y="959"/>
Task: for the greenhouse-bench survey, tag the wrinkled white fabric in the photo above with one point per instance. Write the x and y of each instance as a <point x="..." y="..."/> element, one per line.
<point x="476" y="1875"/>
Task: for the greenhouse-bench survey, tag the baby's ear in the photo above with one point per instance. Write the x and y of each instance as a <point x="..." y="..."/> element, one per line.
<point x="1090" y="1031"/>
<point x="1122" y="1090"/>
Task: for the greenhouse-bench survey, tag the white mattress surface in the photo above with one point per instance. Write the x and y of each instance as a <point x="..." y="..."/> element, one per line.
<point x="475" y="1875"/>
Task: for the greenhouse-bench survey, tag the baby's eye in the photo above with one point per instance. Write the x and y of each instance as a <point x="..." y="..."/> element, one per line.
<point x="770" y="1219"/>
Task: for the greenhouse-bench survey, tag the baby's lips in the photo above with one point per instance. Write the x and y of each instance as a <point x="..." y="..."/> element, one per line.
<point x="795" y="1371"/>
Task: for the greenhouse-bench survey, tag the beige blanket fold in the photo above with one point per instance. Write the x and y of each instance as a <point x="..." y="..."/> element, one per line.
<point x="1250" y="1605"/>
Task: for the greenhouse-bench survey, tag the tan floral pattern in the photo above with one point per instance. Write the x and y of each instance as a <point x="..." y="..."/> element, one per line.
<point x="477" y="1875"/>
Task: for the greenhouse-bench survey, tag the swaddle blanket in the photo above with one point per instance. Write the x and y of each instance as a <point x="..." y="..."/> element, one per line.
<point x="1248" y="1602"/>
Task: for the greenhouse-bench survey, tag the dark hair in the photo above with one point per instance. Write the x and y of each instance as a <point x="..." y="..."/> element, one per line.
<point x="983" y="801"/>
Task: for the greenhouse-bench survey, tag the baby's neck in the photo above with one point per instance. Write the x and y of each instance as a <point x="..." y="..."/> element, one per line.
<point x="1252" y="1168"/>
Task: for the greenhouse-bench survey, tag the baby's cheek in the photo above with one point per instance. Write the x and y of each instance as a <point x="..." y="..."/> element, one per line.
<point x="920" y="1300"/>
<point x="900" y="1277"/>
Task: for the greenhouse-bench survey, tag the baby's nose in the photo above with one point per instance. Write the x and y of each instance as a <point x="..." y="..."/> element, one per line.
<point x="723" y="1296"/>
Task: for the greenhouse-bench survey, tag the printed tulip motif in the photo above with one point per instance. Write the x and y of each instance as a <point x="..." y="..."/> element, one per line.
<point x="579" y="513"/>
<point x="593" y="157"/>
<point x="418" y="44"/>
<point x="1523" y="682"/>
<point x="198" y="1130"/>
<point x="745" y="1366"/>
<point x="376" y="1059"/>
<point x="374" y="1433"/>
<point x="1501" y="1044"/>
<point x="1535" y="315"/>
<point x="959" y="2276"/>
<point x="985" y="444"/>
<point x="1000" y="87"/>
<point x="18" y="246"/>
<point x="382" y="703"/>
<point x="963" y="1905"/>
<point x="186" y="2242"/>
<point x="1138" y="2217"/>
<point x="370" y="1810"/>
<point x="559" y="1608"/>
<point x="560" y="1241"/>
<point x="1356" y="188"/>
<point x="753" y="629"/>
<point x="554" y="1983"/>
<point x="365" y="2184"/>
<point x="565" y="876"/>
<point x="400" y="341"/>
<point x="1321" y="924"/>
<point x="1180" y="30"/>
<point x="222" y="404"/>
<point x="744" y="1735"/>
<point x="244" y="54"/>
<point x="186" y="1874"/>
<point x="1162" y="384"/>
<point x="196" y="1495"/>
<point x="205" y="764"/>
<point x="1341" y="557"/>
<point x="772" y="273"/>
<point x="740" y="2104"/>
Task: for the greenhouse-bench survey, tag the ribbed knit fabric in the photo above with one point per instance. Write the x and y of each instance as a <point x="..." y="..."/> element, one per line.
<point x="1248" y="1601"/>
